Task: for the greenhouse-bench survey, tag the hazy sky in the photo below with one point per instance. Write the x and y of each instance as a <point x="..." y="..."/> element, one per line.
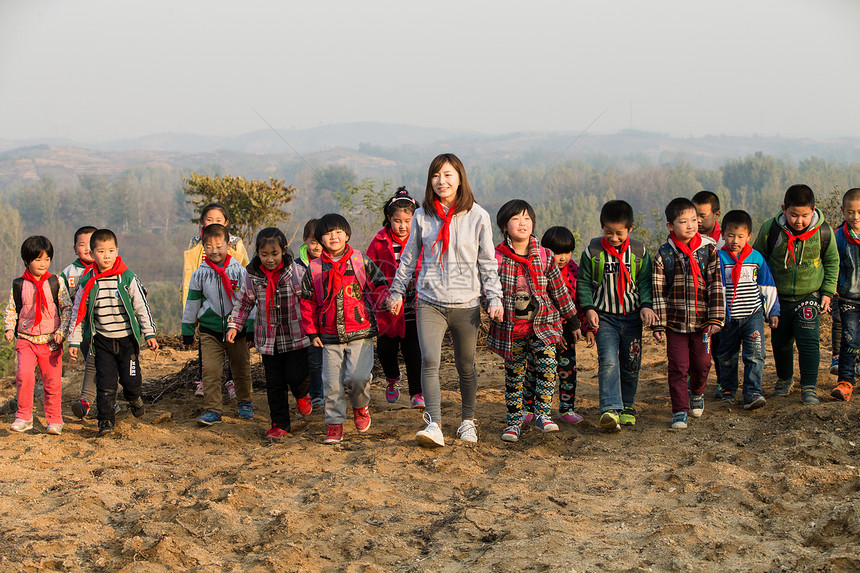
<point x="97" y="70"/>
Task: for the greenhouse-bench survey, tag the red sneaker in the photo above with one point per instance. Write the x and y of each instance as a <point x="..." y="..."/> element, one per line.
<point x="334" y="435"/>
<point x="304" y="404"/>
<point x="276" y="434"/>
<point x="362" y="418"/>
<point x="842" y="391"/>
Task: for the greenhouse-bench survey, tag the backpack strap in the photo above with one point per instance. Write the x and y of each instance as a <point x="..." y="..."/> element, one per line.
<point x="637" y="256"/>
<point x="315" y="269"/>
<point x="357" y="262"/>
<point x="55" y="291"/>
<point x="772" y="237"/>
<point x="824" y="232"/>
<point x="544" y="259"/>
<point x="598" y="260"/>
<point x="17" y="288"/>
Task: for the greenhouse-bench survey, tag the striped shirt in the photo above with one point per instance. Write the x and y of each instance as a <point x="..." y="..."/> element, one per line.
<point x="600" y="292"/>
<point x="756" y="289"/>
<point x="110" y="319"/>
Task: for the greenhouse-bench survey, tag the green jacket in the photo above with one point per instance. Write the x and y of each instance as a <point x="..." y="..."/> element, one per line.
<point x="810" y="270"/>
<point x="133" y="300"/>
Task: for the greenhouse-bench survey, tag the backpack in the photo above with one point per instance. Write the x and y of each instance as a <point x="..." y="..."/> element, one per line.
<point x="357" y="261"/>
<point x="775" y="232"/>
<point x="18" y="286"/>
<point x="598" y="259"/>
<point x="667" y="253"/>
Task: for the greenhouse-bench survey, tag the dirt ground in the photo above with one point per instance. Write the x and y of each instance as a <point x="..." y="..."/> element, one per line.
<point x="776" y="489"/>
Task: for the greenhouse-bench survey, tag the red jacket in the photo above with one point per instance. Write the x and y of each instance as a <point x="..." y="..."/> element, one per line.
<point x="381" y="252"/>
<point x="348" y="314"/>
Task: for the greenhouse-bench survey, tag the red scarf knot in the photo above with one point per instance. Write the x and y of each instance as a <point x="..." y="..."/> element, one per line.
<point x="272" y="277"/>
<point x="338" y="269"/>
<point x="117" y="269"/>
<point x="716" y="233"/>
<point x="846" y="230"/>
<point x="445" y="230"/>
<point x="400" y="241"/>
<point x="791" y="237"/>
<point x="41" y="300"/>
<point x="736" y="269"/>
<point x="624" y="277"/>
<point x="222" y="274"/>
<point x="525" y="261"/>
<point x="688" y="251"/>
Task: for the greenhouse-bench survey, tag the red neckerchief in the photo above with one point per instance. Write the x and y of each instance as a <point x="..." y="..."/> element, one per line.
<point x="525" y="261"/>
<point x="41" y="301"/>
<point x="272" y="277"/>
<point x="222" y="273"/>
<point x="621" y="285"/>
<point x="445" y="230"/>
<point x="117" y="269"/>
<point x="87" y="266"/>
<point x="396" y="239"/>
<point x="695" y="243"/>
<point x="338" y="268"/>
<point x="848" y="236"/>
<point x="801" y="237"/>
<point x="715" y="234"/>
<point x="736" y="270"/>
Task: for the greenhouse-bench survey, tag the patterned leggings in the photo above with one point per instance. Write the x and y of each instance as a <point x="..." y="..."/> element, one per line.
<point x="532" y="364"/>
<point x="566" y="379"/>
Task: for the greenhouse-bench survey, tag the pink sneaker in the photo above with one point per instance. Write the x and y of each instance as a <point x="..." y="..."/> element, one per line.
<point x="392" y="393"/>
<point x="571" y="417"/>
<point x="418" y="401"/>
<point x="362" y="418"/>
<point x="304" y="405"/>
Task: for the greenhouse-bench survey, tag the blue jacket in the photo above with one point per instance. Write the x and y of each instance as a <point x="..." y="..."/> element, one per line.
<point x="848" y="285"/>
<point x="756" y="287"/>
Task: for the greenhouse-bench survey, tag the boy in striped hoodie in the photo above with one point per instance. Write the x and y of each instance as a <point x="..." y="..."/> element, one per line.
<point x="750" y="297"/>
<point x="614" y="281"/>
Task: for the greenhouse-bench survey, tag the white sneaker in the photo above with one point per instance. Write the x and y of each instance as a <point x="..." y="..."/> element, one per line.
<point x="468" y="431"/>
<point x="55" y="429"/>
<point x="198" y="391"/>
<point x="20" y="425"/>
<point x="431" y="436"/>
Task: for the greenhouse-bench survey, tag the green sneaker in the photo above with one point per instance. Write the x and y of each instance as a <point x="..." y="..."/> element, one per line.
<point x="627" y="417"/>
<point x="783" y="387"/>
<point x="809" y="396"/>
<point x="609" y="421"/>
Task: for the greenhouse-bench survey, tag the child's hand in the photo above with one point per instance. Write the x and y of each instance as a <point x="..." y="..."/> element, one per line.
<point x="592" y="319"/>
<point x="659" y="335"/>
<point x="316" y="341"/>
<point x="774" y="321"/>
<point x="152" y="343"/>
<point x="394" y="306"/>
<point x="496" y="313"/>
<point x="73" y="353"/>
<point x="10" y="334"/>
<point x="58" y="339"/>
<point x="577" y="335"/>
<point x="825" y="304"/>
<point x="561" y="346"/>
<point x="589" y="339"/>
<point x="648" y="316"/>
<point x="712" y="329"/>
<point x="231" y="335"/>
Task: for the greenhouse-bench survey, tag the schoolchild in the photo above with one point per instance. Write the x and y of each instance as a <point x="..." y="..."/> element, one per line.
<point x="751" y="299"/>
<point x="453" y="238"/>
<point x="848" y="246"/>
<point x="338" y="316"/>
<point x="689" y="299"/>
<point x="801" y="251"/>
<point x="534" y="298"/>
<point x="38" y="308"/>
<point x="111" y="312"/>
<point x="272" y="290"/>
<point x="615" y="293"/>
<point x="212" y="293"/>
<point x="397" y="333"/>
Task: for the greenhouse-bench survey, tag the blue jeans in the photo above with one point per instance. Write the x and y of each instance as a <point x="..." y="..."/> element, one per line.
<point x="746" y="334"/>
<point x="849" y="312"/>
<point x="315" y="354"/>
<point x="619" y="356"/>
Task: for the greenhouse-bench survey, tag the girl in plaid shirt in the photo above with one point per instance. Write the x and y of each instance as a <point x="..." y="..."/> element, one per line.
<point x="273" y="286"/>
<point x="532" y="288"/>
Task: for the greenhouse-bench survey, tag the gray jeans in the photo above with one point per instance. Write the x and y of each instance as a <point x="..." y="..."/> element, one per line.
<point x="463" y="323"/>
<point x="346" y="371"/>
